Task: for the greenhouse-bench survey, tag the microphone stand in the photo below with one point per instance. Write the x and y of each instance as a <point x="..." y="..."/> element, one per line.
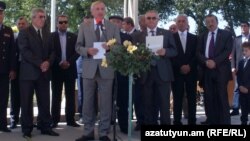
<point x="114" y="112"/>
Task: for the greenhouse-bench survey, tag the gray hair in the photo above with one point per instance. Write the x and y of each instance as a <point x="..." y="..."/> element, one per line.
<point x="95" y="3"/>
<point x="153" y="11"/>
<point x="37" y="10"/>
<point x="182" y="15"/>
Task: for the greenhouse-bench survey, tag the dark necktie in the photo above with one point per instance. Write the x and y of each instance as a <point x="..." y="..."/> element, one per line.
<point x="39" y="35"/>
<point x="97" y="31"/>
<point x="245" y="62"/>
<point x="152" y="32"/>
<point x="211" y="47"/>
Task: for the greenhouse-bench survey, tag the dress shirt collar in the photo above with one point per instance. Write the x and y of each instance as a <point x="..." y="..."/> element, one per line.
<point x="149" y="30"/>
<point x="95" y="22"/>
<point x="184" y="33"/>
<point x="215" y="32"/>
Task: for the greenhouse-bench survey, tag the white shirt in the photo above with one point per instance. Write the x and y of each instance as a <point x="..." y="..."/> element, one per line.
<point x="62" y="37"/>
<point x="95" y="25"/>
<point x="131" y="31"/>
<point x="245" y="38"/>
<point x="149" y="31"/>
<point x="37" y="30"/>
<point x="183" y="38"/>
<point x="208" y="41"/>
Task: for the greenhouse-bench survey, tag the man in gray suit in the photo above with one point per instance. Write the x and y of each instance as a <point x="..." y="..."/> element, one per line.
<point x="236" y="57"/>
<point x="156" y="82"/>
<point x="36" y="59"/>
<point x="96" y="76"/>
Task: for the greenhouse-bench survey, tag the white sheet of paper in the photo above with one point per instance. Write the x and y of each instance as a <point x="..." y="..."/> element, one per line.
<point x="101" y="50"/>
<point x="154" y="43"/>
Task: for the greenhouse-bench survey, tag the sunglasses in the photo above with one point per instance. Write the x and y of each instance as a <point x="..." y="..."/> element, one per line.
<point x="63" y="22"/>
<point x="151" y="18"/>
<point x="41" y="17"/>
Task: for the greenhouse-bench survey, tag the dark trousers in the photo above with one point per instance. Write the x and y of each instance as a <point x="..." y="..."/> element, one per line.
<point x="155" y="84"/>
<point x="122" y="101"/>
<point x="216" y="97"/>
<point x="245" y="107"/>
<point x="181" y="85"/>
<point x="4" y="94"/>
<point x="57" y="85"/>
<point x="137" y="100"/>
<point x="41" y="88"/>
<point x="15" y="99"/>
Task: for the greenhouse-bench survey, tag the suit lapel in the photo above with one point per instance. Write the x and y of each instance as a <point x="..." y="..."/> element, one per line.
<point x="91" y="29"/>
<point x="58" y="44"/>
<point x="205" y="42"/>
<point x="218" y="40"/>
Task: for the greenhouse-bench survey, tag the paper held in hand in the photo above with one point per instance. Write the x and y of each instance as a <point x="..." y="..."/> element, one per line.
<point x="154" y="43"/>
<point x="101" y="51"/>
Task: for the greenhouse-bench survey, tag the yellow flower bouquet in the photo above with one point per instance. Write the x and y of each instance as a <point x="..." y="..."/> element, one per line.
<point x="127" y="58"/>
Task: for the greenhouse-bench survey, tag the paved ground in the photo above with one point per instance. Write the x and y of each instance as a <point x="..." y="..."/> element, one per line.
<point x="70" y="133"/>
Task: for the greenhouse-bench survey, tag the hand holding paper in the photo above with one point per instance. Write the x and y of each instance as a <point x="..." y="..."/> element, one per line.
<point x="155" y="43"/>
<point x="101" y="50"/>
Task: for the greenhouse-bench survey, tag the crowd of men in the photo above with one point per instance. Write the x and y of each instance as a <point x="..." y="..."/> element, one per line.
<point x="34" y="57"/>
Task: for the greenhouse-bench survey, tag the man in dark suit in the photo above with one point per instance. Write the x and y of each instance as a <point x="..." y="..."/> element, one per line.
<point x="21" y="24"/>
<point x="95" y="76"/>
<point x="7" y="67"/>
<point x="121" y="83"/>
<point x="237" y="55"/>
<point x="63" y="72"/>
<point x="243" y="79"/>
<point x="37" y="57"/>
<point x="129" y="28"/>
<point x="214" y="48"/>
<point x="156" y="82"/>
<point x="185" y="71"/>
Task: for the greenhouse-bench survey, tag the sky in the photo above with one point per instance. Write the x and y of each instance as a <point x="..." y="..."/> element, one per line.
<point x="193" y="25"/>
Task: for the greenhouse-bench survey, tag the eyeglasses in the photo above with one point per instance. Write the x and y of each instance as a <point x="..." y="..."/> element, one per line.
<point x="63" y="22"/>
<point x="151" y="18"/>
<point x="41" y="17"/>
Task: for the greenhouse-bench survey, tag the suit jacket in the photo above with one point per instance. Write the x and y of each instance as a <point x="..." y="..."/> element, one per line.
<point x="237" y="52"/>
<point x="223" y="49"/>
<point x="71" y="54"/>
<point x="187" y="58"/>
<point x="243" y="75"/>
<point x="86" y="39"/>
<point x="7" y="50"/>
<point x="163" y="64"/>
<point x="33" y="53"/>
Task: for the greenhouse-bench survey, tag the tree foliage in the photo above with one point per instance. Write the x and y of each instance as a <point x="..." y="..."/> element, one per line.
<point x="233" y="11"/>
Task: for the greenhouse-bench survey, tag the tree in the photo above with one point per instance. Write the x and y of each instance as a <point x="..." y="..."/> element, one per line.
<point x="77" y="9"/>
<point x="197" y="9"/>
<point x="233" y="11"/>
<point x="164" y="7"/>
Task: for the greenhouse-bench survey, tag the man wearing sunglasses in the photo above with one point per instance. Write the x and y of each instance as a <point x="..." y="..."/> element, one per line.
<point x="63" y="72"/>
<point x="156" y="82"/>
<point x="37" y="56"/>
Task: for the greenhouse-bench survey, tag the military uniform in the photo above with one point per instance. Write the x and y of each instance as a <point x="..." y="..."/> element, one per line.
<point x="7" y="64"/>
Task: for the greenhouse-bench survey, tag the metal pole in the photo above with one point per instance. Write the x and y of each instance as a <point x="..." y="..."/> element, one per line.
<point x="125" y="8"/>
<point x="135" y="13"/>
<point x="53" y="16"/>
<point x="130" y="107"/>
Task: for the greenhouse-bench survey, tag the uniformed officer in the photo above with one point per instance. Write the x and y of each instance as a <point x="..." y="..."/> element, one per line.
<point x="7" y="66"/>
